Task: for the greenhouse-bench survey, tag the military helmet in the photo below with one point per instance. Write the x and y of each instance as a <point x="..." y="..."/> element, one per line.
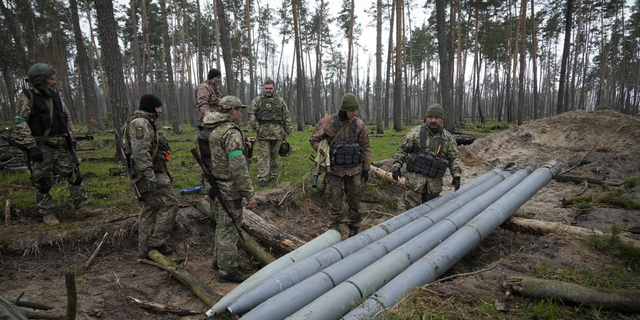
<point x="40" y="71"/>
<point x="285" y="149"/>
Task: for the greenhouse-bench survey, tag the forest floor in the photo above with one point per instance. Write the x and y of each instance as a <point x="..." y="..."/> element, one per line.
<point x="35" y="262"/>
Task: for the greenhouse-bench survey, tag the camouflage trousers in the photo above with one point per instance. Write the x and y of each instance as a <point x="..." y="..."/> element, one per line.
<point x="158" y="210"/>
<point x="57" y="161"/>
<point x="413" y="199"/>
<point x="226" y="250"/>
<point x="336" y="188"/>
<point x="268" y="159"/>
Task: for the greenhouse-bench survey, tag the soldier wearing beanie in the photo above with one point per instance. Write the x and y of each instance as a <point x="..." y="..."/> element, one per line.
<point x="43" y="124"/>
<point x="429" y="150"/>
<point x="208" y="95"/>
<point x="350" y="152"/>
<point x="150" y="152"/>
<point x="269" y="116"/>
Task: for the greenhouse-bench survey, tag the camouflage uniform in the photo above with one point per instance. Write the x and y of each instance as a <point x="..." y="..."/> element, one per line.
<point x="421" y="188"/>
<point x="344" y="180"/>
<point x="222" y="145"/>
<point x="57" y="159"/>
<point x="270" y="129"/>
<point x="207" y="98"/>
<point x="158" y="208"/>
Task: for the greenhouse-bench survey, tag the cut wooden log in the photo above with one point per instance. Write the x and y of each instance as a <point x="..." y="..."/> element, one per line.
<point x="194" y="284"/>
<point x="159" y="307"/>
<point x="72" y="296"/>
<point x="625" y="203"/>
<point x="252" y="248"/>
<point x="530" y="226"/>
<point x="269" y="234"/>
<point x="386" y="175"/>
<point x="577" y="179"/>
<point x="608" y="299"/>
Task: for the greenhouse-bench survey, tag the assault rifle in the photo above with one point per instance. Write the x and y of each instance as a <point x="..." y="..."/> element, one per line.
<point x="127" y="165"/>
<point x="214" y="191"/>
<point x="16" y="143"/>
<point x="72" y="147"/>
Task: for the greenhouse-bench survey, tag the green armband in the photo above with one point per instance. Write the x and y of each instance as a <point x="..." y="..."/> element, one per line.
<point x="400" y="148"/>
<point x="236" y="153"/>
<point x="21" y="118"/>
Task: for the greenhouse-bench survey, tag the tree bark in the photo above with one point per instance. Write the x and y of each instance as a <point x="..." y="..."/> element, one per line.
<point x="446" y="64"/>
<point x="397" y="83"/>
<point x="252" y="248"/>
<point x="72" y="296"/>
<point x="565" y="58"/>
<point x="378" y="86"/>
<point x="226" y="48"/>
<point x="171" y="88"/>
<point x="270" y="234"/>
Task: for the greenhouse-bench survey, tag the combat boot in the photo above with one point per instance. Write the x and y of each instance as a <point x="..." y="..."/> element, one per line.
<point x="236" y="278"/>
<point x="164" y="249"/>
<point x="86" y="211"/>
<point x="214" y="264"/>
<point x="50" y="219"/>
<point x="262" y="183"/>
<point x="273" y="180"/>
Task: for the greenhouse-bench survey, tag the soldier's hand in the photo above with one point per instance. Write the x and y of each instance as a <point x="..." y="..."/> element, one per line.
<point x="36" y="154"/>
<point x="396" y="175"/>
<point x="456" y="183"/>
<point x="153" y="186"/>
<point x="251" y="204"/>
<point x="365" y="176"/>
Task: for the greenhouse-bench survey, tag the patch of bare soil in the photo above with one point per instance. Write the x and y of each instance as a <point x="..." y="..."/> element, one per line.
<point x="36" y="264"/>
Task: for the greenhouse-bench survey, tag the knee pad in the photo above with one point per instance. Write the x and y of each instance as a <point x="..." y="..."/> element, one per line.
<point x="79" y="177"/>
<point x="43" y="185"/>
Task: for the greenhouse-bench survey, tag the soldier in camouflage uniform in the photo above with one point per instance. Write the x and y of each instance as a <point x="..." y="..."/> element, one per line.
<point x="150" y="152"/>
<point x="208" y="95"/>
<point x="270" y="118"/>
<point x="429" y="149"/>
<point x="222" y="145"/>
<point x="350" y="160"/>
<point x="43" y="131"/>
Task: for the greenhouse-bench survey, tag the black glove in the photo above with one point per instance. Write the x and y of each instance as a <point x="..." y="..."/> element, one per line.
<point x="365" y="176"/>
<point x="36" y="154"/>
<point x="153" y="186"/>
<point x="456" y="183"/>
<point x="396" y="175"/>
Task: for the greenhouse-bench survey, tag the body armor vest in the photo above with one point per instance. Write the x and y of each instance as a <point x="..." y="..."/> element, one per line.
<point x="205" y="150"/>
<point x="346" y="154"/>
<point x="271" y="110"/>
<point x="40" y="118"/>
<point x="161" y="149"/>
<point x="427" y="162"/>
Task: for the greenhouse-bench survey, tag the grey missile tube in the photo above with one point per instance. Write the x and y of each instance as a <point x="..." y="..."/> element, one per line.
<point x="290" y="276"/>
<point x="443" y="257"/>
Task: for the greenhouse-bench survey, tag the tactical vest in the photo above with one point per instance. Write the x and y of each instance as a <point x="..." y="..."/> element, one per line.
<point x="41" y="117"/>
<point x="346" y="154"/>
<point x="205" y="148"/>
<point x="271" y="110"/>
<point x="427" y="162"/>
<point x="161" y="149"/>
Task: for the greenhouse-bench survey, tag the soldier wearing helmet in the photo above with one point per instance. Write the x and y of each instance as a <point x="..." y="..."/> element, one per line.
<point x="222" y="146"/>
<point x="41" y="124"/>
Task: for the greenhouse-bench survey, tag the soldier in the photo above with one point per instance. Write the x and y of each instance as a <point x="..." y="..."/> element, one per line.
<point x="428" y="150"/>
<point x="150" y="153"/>
<point x="222" y="145"/>
<point x="350" y="160"/>
<point x="270" y="118"/>
<point x="208" y="95"/>
<point x="42" y="125"/>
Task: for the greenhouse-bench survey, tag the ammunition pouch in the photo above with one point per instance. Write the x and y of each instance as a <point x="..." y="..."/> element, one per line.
<point x="43" y="185"/>
<point x="162" y="156"/>
<point x="427" y="164"/>
<point x="346" y="154"/>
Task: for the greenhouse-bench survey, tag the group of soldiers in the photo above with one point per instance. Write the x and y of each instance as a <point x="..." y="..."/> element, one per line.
<point x="43" y="120"/>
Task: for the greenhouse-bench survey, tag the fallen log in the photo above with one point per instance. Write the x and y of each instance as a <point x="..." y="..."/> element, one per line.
<point x="33" y="305"/>
<point x="269" y="234"/>
<point x="539" y="227"/>
<point x="194" y="284"/>
<point x="625" y="203"/>
<point x="252" y="248"/>
<point x="609" y="299"/>
<point x="577" y="179"/>
<point x="10" y="311"/>
<point x="386" y="175"/>
<point x="159" y="307"/>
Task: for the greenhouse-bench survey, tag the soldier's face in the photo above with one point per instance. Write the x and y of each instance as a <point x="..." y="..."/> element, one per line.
<point x="269" y="90"/>
<point x="217" y="80"/>
<point x="434" y="122"/>
<point x="237" y="113"/>
<point x="50" y="82"/>
<point x="352" y="114"/>
<point x="159" y="110"/>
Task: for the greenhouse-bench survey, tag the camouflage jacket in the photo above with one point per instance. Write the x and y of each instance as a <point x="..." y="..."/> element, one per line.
<point x="269" y="130"/>
<point x="207" y="98"/>
<point x="227" y="160"/>
<point x="325" y="129"/>
<point x="139" y="139"/>
<point x="411" y="143"/>
<point x="20" y="126"/>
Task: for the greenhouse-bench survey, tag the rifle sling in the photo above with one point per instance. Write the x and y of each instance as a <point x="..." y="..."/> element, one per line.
<point x="344" y="126"/>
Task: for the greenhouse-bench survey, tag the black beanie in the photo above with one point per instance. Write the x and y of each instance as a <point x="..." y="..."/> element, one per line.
<point x="149" y="103"/>
<point x="213" y="72"/>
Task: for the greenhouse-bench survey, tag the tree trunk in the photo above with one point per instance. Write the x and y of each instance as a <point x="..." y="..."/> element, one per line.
<point x="171" y="88"/>
<point x="378" y="86"/>
<point x="389" y="62"/>
<point x="446" y="64"/>
<point x="350" y="49"/>
<point x="537" y="113"/>
<point x="565" y="57"/>
<point x="397" y="84"/>
<point x="523" y="53"/>
<point x="226" y="48"/>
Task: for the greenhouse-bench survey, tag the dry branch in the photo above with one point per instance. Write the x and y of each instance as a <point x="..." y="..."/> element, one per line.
<point x="269" y="234"/>
<point x="386" y="175"/>
<point x="7" y="212"/>
<point x="159" y="307"/>
<point x="95" y="252"/>
<point x="609" y="299"/>
<point x="194" y="284"/>
<point x="616" y="201"/>
<point x="582" y="159"/>
<point x="576" y="179"/>
<point x="252" y="248"/>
